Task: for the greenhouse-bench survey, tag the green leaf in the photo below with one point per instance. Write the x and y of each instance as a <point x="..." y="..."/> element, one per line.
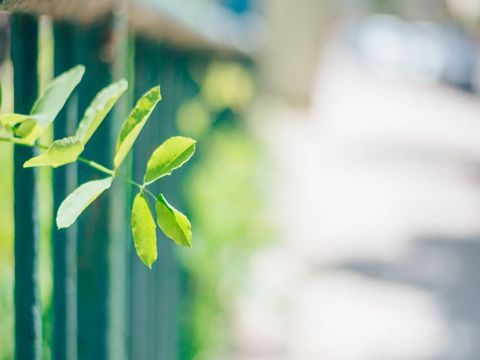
<point x="169" y="156"/>
<point x="99" y="108"/>
<point x="29" y="130"/>
<point x="143" y="229"/>
<point x="79" y="200"/>
<point x="61" y="152"/>
<point x="134" y="123"/>
<point x="173" y="223"/>
<point x="48" y="105"/>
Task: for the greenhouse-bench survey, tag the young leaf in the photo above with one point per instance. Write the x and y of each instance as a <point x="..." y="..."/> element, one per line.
<point x="29" y="130"/>
<point x="79" y="200"/>
<point x="173" y="223"/>
<point x="48" y="105"/>
<point x="99" y="108"/>
<point x="169" y="156"/>
<point x="61" y="152"/>
<point x="135" y="122"/>
<point x="143" y="230"/>
<point x="9" y="120"/>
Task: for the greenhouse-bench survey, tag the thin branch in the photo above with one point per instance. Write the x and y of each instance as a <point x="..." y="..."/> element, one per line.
<point x="149" y="193"/>
<point x="96" y="166"/>
<point x="87" y="162"/>
<point x="130" y="181"/>
<point x="16" y="141"/>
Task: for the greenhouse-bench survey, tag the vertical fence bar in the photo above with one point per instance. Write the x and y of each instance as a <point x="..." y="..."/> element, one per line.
<point x="28" y="339"/>
<point x="120" y="192"/>
<point x="155" y="294"/>
<point x="139" y="308"/>
<point x="166" y="286"/>
<point x="183" y="87"/>
<point x="64" y="241"/>
<point x="94" y="51"/>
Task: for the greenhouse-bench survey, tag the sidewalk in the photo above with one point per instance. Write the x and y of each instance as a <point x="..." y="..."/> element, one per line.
<point x="378" y="201"/>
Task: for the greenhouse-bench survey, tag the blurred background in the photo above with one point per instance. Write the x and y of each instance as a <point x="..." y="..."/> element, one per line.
<point x="334" y="197"/>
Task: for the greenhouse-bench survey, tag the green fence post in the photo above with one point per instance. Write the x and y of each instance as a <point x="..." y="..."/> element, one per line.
<point x="165" y="284"/>
<point x="139" y="311"/>
<point x="93" y="50"/>
<point x="64" y="241"/>
<point x="28" y="338"/>
<point x="155" y="294"/>
<point x="120" y="192"/>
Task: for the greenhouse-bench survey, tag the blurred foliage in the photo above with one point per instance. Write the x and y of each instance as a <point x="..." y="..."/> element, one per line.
<point x="193" y="118"/>
<point x="227" y="85"/>
<point x="224" y="87"/>
<point x="227" y="202"/>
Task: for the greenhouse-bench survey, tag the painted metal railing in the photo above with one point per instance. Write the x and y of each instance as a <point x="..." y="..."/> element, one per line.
<point x="106" y="304"/>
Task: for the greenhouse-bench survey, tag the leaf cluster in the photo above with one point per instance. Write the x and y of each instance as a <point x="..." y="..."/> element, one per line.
<point x="26" y="130"/>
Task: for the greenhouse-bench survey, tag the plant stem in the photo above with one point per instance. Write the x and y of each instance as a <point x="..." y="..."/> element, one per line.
<point x="16" y="141"/>
<point x="87" y="162"/>
<point x="149" y="193"/>
<point x="96" y="166"/>
<point x="130" y="181"/>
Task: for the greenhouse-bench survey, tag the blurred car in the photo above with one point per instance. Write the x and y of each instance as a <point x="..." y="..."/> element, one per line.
<point x="419" y="51"/>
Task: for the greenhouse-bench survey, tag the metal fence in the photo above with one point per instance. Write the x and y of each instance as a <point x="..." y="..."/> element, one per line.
<point x="106" y="304"/>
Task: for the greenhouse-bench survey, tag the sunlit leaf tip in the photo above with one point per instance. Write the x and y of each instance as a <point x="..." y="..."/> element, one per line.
<point x="173" y="223"/>
<point x="75" y="203"/>
<point x="61" y="152"/>
<point x="48" y="105"/>
<point x="170" y="155"/>
<point x="57" y="92"/>
<point x="135" y="122"/>
<point x="99" y="109"/>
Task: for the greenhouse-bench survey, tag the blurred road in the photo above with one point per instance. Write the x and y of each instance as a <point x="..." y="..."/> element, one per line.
<point x="378" y="204"/>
